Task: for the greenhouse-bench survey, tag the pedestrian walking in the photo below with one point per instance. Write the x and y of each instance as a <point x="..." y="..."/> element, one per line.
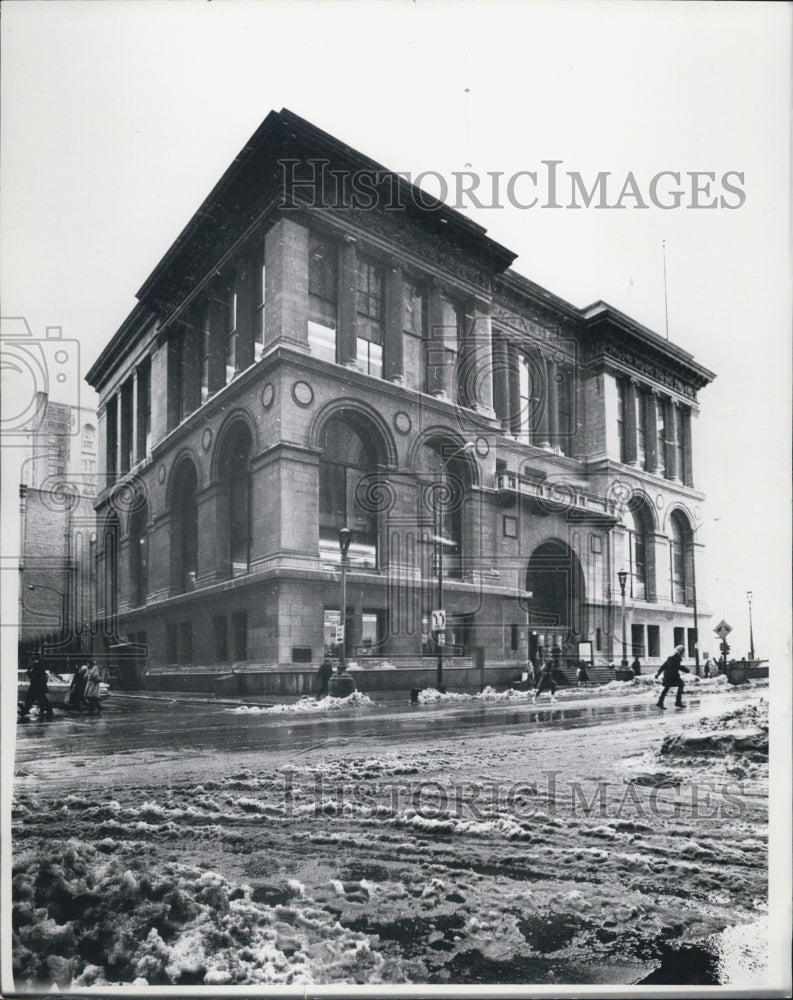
<point x="636" y="667"/>
<point x="324" y="675"/>
<point x="92" y="690"/>
<point x="37" y="692"/>
<point x="77" y="688"/>
<point x="671" y="670"/>
<point x="528" y="675"/>
<point x="581" y="675"/>
<point x="545" y="682"/>
<point x="707" y="667"/>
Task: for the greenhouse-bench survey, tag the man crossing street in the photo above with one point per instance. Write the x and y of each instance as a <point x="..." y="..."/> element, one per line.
<point x="671" y="670"/>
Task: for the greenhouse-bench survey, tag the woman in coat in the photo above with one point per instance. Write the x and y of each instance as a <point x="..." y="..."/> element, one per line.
<point x="671" y="670"/>
<point x="92" y="690"/>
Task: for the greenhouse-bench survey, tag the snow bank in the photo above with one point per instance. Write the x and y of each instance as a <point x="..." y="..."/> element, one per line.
<point x="306" y="704"/>
<point x="742" y="732"/>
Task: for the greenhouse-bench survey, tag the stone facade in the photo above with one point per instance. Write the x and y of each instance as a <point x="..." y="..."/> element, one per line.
<point x="291" y="370"/>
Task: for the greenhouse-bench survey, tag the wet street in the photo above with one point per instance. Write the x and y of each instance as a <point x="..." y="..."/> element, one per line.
<point x="596" y="840"/>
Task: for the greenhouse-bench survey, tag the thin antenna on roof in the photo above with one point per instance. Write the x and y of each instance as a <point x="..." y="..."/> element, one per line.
<point x="666" y="300"/>
<point x="468" y="126"/>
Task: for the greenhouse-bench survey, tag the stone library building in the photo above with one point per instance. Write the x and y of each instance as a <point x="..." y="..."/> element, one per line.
<point x="321" y="349"/>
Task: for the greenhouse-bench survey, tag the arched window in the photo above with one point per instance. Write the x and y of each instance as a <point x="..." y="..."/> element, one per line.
<point x="184" y="537"/>
<point x="235" y="471"/>
<point x="639" y="527"/>
<point x="112" y="534"/>
<point x="679" y="536"/>
<point x="139" y="552"/>
<point x="89" y="437"/>
<point x="445" y="469"/>
<point x="349" y="455"/>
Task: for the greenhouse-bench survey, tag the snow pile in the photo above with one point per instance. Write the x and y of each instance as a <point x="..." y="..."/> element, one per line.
<point x="742" y="732"/>
<point x="83" y="919"/>
<point x="307" y="704"/>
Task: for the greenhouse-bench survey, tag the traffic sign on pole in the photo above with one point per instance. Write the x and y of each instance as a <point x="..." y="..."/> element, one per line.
<point x="722" y="630"/>
<point x="438" y="620"/>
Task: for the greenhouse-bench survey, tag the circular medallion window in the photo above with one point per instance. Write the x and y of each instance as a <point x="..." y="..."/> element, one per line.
<point x="482" y="447"/>
<point x="161" y="474"/>
<point x="402" y="422"/>
<point x="659" y="501"/>
<point x="303" y="394"/>
<point x="206" y="439"/>
<point x="268" y="395"/>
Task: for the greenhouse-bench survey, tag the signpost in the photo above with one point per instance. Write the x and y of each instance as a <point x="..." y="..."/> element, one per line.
<point x="722" y="630"/>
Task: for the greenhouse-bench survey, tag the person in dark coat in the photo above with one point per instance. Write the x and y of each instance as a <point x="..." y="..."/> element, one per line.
<point x="636" y="667"/>
<point x="324" y="675"/>
<point x="77" y="688"/>
<point x="37" y="691"/>
<point x="671" y="670"/>
<point x="545" y="683"/>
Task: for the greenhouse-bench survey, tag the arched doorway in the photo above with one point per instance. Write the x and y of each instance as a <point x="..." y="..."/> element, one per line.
<point x="556" y="580"/>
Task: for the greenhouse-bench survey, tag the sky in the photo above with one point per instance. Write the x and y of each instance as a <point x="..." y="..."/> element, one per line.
<point x="118" y="118"/>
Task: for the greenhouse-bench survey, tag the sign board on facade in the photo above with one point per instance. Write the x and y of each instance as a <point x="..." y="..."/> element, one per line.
<point x="339" y="633"/>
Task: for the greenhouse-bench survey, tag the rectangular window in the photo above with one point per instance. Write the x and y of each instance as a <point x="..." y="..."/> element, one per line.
<point x="205" y="349"/>
<point x="220" y="631"/>
<point x="638" y="565"/>
<point x="510" y="526"/>
<point x="172" y="644"/>
<point x="369" y="302"/>
<point x="653" y="640"/>
<point x="127" y="458"/>
<point x="259" y="296"/>
<point x="681" y="445"/>
<point x="230" y="322"/>
<point x="144" y="410"/>
<point x="598" y="639"/>
<point x="691" y="636"/>
<point x="637" y="641"/>
<point x="323" y="296"/>
<point x="414" y="313"/>
<point x="566" y="404"/>
<point x="679" y="636"/>
<point x="641" y="428"/>
<point x="660" y="458"/>
<point x="621" y="404"/>
<point x="185" y="642"/>
<point x="239" y="629"/>
<point x="677" y="572"/>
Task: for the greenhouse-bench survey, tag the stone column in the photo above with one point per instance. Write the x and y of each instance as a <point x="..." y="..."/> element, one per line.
<point x="135" y="443"/>
<point x="286" y="279"/>
<point x="212" y="519"/>
<point x="629" y="422"/>
<point x="479" y="361"/>
<point x="217" y="342"/>
<point x="501" y="381"/>
<point x="347" y="345"/>
<point x="393" y="369"/>
<point x="436" y="355"/>
<point x="513" y="380"/>
<point x="191" y="374"/>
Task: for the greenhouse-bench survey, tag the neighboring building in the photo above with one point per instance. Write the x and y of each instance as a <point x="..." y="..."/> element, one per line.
<point x="63" y="447"/>
<point x="56" y="575"/>
<point x="291" y="370"/>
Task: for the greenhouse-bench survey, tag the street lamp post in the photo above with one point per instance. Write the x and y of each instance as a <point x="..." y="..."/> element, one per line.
<point x="340" y="685"/>
<point x="623" y="576"/>
<point x="440" y="638"/>
<point x="751" y="633"/>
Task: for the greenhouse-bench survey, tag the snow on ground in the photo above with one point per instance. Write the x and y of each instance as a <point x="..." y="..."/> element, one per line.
<point x="592" y="855"/>
<point x="306" y="704"/>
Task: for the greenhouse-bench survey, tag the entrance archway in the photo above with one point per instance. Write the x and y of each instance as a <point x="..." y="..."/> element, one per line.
<point x="555" y="578"/>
